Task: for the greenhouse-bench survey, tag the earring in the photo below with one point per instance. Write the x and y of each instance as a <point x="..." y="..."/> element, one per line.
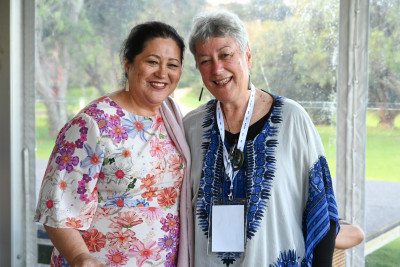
<point x="249" y="85"/>
<point x="127" y="85"/>
<point x="201" y="93"/>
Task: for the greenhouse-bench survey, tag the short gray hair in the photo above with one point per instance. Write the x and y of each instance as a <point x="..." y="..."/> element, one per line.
<point x="217" y="24"/>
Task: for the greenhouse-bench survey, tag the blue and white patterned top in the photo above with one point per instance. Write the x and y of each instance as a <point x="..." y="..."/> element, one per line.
<point x="285" y="179"/>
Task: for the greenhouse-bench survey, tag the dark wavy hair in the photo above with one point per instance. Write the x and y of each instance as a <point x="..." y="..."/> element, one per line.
<point x="145" y="32"/>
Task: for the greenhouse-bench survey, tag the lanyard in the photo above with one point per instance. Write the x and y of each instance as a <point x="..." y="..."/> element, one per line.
<point x="242" y="137"/>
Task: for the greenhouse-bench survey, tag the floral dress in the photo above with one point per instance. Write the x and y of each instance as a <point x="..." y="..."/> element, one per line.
<point x="116" y="177"/>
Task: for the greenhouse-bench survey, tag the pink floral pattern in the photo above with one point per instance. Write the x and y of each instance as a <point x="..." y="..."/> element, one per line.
<point x="158" y="149"/>
<point x="170" y="224"/>
<point x="121" y="239"/>
<point x="116" y="258"/>
<point x="145" y="252"/>
<point x="115" y="177"/>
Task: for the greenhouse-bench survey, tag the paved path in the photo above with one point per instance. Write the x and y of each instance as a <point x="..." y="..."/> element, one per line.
<point x="383" y="205"/>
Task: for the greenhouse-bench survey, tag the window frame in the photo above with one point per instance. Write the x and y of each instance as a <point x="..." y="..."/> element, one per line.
<point x="17" y="111"/>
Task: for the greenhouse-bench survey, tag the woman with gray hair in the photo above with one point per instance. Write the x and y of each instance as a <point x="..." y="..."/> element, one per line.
<point x="262" y="188"/>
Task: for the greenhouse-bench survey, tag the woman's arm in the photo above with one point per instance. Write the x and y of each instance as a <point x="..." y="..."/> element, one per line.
<point x="72" y="247"/>
<point x="323" y="252"/>
<point x="350" y="235"/>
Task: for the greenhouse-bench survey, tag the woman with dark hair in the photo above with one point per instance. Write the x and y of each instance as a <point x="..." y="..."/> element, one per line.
<point x="261" y="184"/>
<point x="116" y="188"/>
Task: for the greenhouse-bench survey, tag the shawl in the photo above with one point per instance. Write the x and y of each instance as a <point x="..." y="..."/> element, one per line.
<point x="173" y="123"/>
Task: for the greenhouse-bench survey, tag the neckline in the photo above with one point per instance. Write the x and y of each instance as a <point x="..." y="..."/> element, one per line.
<point x="127" y="112"/>
<point x="254" y="129"/>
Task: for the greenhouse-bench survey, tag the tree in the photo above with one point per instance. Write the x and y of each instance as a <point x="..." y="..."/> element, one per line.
<point x="384" y="59"/>
<point x="56" y="21"/>
<point x="78" y="44"/>
<point x="295" y="57"/>
<point x="316" y="34"/>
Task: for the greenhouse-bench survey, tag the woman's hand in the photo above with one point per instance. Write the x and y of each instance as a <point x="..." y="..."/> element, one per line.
<point x="86" y="260"/>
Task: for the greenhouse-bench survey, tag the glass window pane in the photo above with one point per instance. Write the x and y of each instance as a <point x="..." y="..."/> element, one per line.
<point x="383" y="123"/>
<point x="294" y="48"/>
<point x="294" y="52"/>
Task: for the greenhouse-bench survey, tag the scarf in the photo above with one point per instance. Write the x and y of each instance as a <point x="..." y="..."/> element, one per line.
<point x="172" y="118"/>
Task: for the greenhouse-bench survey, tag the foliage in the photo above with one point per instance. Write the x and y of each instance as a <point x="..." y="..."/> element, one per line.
<point x="294" y="57"/>
<point x="294" y="48"/>
<point x="260" y="10"/>
<point x="67" y="48"/>
<point x="384" y="59"/>
<point x="78" y="44"/>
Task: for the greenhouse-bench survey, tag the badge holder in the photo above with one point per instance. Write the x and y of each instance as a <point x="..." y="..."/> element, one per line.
<point x="227" y="227"/>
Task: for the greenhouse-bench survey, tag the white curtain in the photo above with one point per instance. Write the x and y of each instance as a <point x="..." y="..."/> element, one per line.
<point x="21" y="105"/>
<point x="351" y="116"/>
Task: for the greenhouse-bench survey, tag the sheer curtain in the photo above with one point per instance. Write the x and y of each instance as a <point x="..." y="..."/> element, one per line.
<point x="351" y="116"/>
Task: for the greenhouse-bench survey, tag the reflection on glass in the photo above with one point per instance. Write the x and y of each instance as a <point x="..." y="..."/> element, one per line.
<point x="383" y="135"/>
<point x="294" y="51"/>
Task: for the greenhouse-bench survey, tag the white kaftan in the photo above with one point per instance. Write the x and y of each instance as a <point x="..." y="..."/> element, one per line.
<point x="285" y="179"/>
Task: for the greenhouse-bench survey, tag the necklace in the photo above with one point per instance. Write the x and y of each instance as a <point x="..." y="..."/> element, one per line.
<point x="229" y="164"/>
<point x="223" y="113"/>
<point x="236" y="156"/>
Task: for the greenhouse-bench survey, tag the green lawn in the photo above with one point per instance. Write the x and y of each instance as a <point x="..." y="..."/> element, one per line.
<point x="383" y="157"/>
<point x="387" y="256"/>
<point x="44" y="143"/>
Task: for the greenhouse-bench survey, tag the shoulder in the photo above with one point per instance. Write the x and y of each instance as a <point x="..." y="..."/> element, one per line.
<point x="292" y="107"/>
<point x="291" y="110"/>
<point x="91" y="111"/>
<point x="99" y="112"/>
<point x="171" y="103"/>
<point x="101" y="105"/>
<point x="197" y="115"/>
<point x="290" y="116"/>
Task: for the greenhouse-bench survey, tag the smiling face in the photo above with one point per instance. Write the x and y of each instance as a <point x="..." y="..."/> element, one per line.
<point x="224" y="68"/>
<point x="154" y="73"/>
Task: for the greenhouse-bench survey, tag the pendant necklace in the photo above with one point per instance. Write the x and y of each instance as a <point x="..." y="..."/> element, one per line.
<point x="236" y="156"/>
<point x="231" y="160"/>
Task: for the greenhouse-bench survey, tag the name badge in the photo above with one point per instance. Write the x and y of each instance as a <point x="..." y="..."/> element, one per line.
<point x="228" y="228"/>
